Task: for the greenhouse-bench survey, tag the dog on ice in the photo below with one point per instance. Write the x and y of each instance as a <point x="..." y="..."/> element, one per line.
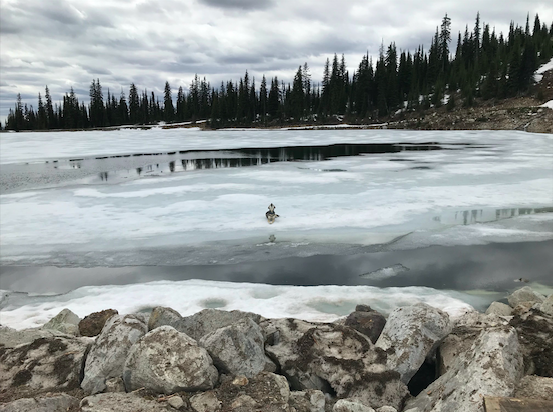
<point x="270" y="214"/>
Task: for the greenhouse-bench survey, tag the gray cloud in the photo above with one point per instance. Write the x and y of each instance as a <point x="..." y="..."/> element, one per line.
<point x="240" y="4"/>
<point x="67" y="43"/>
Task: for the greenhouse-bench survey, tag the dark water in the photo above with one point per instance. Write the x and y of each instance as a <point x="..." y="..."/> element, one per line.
<point x="492" y="267"/>
<point x="118" y="168"/>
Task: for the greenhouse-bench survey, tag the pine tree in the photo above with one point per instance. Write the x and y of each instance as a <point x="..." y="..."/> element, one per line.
<point x="263" y="99"/>
<point x="168" y="109"/>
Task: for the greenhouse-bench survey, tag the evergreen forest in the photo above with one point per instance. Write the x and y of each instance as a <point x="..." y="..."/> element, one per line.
<point x="484" y="65"/>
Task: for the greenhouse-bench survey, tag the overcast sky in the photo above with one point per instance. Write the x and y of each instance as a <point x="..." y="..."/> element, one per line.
<point x="64" y="43"/>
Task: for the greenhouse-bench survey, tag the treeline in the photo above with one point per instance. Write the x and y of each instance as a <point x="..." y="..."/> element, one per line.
<point x="483" y="65"/>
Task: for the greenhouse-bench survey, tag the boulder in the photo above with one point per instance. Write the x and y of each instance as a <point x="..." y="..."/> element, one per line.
<point x="10" y="338"/>
<point x="207" y="321"/>
<point x="46" y="403"/>
<point x="458" y="342"/>
<point x="167" y="361"/>
<point x="205" y="402"/>
<point x="309" y="400"/>
<point x="93" y="324"/>
<point x="334" y="359"/>
<point x="491" y="367"/>
<point x="367" y="322"/>
<point x="238" y="349"/>
<point x="547" y="306"/>
<point x="121" y="402"/>
<point x="480" y="320"/>
<point x="535" y="387"/>
<point x="525" y="294"/>
<point x="266" y="392"/>
<point x="499" y="309"/>
<point x="386" y="409"/>
<point x="108" y="354"/>
<point x="65" y="322"/>
<point x="350" y="405"/>
<point x="412" y="334"/>
<point x="53" y="363"/>
<point x="535" y="334"/>
<point x="161" y="316"/>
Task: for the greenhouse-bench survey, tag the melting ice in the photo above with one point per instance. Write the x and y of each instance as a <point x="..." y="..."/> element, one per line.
<point x="174" y="197"/>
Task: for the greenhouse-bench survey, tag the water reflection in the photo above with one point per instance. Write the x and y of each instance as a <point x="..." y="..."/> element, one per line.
<point x="190" y="160"/>
<point x="468" y="217"/>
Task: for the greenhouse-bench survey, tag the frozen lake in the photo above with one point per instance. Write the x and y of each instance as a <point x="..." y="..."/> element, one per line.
<point x="189" y="198"/>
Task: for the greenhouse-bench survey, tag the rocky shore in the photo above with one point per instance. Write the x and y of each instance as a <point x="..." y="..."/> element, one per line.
<point x="417" y="359"/>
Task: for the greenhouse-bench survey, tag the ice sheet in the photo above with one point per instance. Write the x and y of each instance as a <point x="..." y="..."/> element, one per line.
<point x="360" y="200"/>
<point x="314" y="303"/>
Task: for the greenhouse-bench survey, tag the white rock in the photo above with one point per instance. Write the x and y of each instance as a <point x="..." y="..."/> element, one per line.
<point x="535" y="387"/>
<point x="120" y="402"/>
<point x="205" y="402"/>
<point x="500" y="309"/>
<point x="491" y="367"/>
<point x="411" y="334"/>
<point x="525" y="294"/>
<point x="52" y="403"/>
<point x="314" y="356"/>
<point x="175" y="402"/>
<point x="65" y="322"/>
<point x="310" y="400"/>
<point x="547" y="306"/>
<point x="237" y="349"/>
<point x="46" y="364"/>
<point x="386" y="409"/>
<point x="167" y="361"/>
<point x="350" y="405"/>
<point x="107" y="356"/>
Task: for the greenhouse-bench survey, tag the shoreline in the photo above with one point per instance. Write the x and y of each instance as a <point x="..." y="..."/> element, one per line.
<point x="410" y="361"/>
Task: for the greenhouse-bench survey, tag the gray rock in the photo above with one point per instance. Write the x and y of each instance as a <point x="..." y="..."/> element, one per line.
<point x="386" y="409"/>
<point x="535" y="387"/>
<point x="332" y="358"/>
<point x="209" y="320"/>
<point x="237" y="349"/>
<point x="107" y="356"/>
<point x="351" y="405"/>
<point x="53" y="363"/>
<point x="547" y="306"/>
<point x="369" y="323"/>
<point x="266" y="392"/>
<point x="411" y="334"/>
<point x="121" y="402"/>
<point x="500" y="309"/>
<point x="309" y="400"/>
<point x="52" y="403"/>
<point x="525" y="294"/>
<point x="167" y="361"/>
<point x="162" y="316"/>
<point x="205" y="402"/>
<point x="491" y="367"/>
<point x="175" y="402"/>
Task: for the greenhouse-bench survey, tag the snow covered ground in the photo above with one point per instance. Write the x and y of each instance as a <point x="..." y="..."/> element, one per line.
<point x="472" y="188"/>
<point x="538" y="75"/>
